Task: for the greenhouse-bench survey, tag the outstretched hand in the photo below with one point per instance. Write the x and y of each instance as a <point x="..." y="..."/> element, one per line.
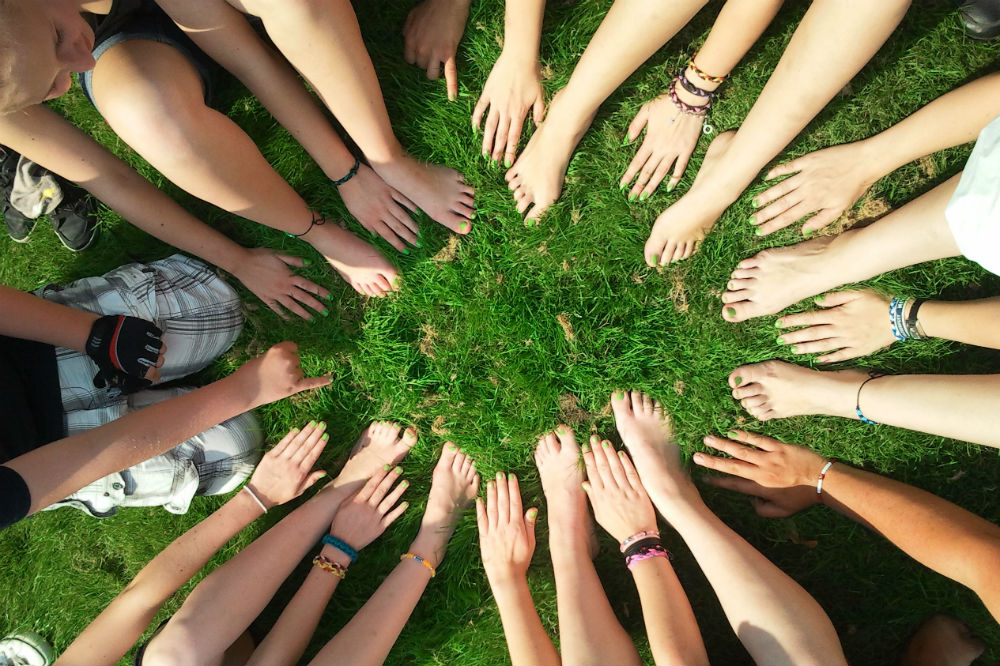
<point x="431" y="35"/>
<point x="506" y="536"/>
<point x="372" y="509"/>
<point x="275" y="375"/>
<point x="825" y="182"/>
<point x="671" y="137"/>
<point x="780" y="477"/>
<point x="621" y="505"/>
<point x="380" y="208"/>
<point x="512" y="90"/>
<point x="269" y="275"/>
<point x="850" y="324"/>
<point x="286" y="471"/>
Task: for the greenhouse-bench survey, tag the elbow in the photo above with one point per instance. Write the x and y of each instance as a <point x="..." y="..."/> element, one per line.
<point x="175" y="644"/>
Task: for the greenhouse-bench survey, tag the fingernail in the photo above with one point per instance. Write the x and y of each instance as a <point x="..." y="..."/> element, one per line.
<point x="631" y="196"/>
<point x="753" y="219"/>
<point x="530" y="222"/>
<point x="507" y="162"/>
<point x="418" y="243"/>
<point x="306" y="262"/>
<point x="621" y="454"/>
<point x="325" y="313"/>
<point x="738" y="380"/>
<point x="585" y="448"/>
<point x="404" y="505"/>
<point x="655" y="258"/>
<point x="398" y="470"/>
<point x="777" y="324"/>
<point x="619" y="395"/>
<point x="731" y="434"/>
<point x="754" y="203"/>
<point x="759" y="232"/>
<point x="795" y="350"/>
<point x="404" y="483"/>
<point x="622" y="186"/>
<point x="697" y="458"/>
<point x="807" y="232"/>
<point x="312" y="424"/>
<point x="329" y="297"/>
<point x="779" y="341"/>
<point x="450" y="446"/>
<point x="586" y="487"/>
<point x="820" y="297"/>
<point x="643" y="196"/>
<point x="731" y="312"/>
<point x="605" y="443"/>
<point x="532" y="514"/>
<point x="406" y="250"/>
<point x="325" y="437"/>
<point x="490" y="483"/>
<point x="500" y="476"/>
<point x="671" y="186"/>
<point x="385" y="468"/>
<point x="323" y="475"/>
<point x="511" y="477"/>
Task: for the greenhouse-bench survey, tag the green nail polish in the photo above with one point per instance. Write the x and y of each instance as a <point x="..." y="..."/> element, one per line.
<point x="631" y="196"/>
<point x="731" y="312"/>
<point x="807" y="232"/>
<point x="404" y="483"/>
<point x="463" y="226"/>
<point x="472" y="216"/>
<point x="306" y="262"/>
<point x="329" y="297"/>
<point x="531" y="222"/>
<point x="585" y="448"/>
<point x="511" y="477"/>
<point x="779" y="341"/>
<point x="820" y="297"/>
<point x="655" y="258"/>
<point x="486" y="155"/>
<point x="626" y="141"/>
<point x="619" y="395"/>
<point x="325" y="313"/>
<point x="753" y="219"/>
<point x="622" y="186"/>
<point x="777" y="324"/>
<point x="312" y="424"/>
<point x="605" y="443"/>
<point x="754" y="203"/>
<point x="621" y="454"/>
<point x="532" y="514"/>
<point x="507" y="163"/>
<point x="385" y="468"/>
<point x="490" y="483"/>
<point x="418" y="243"/>
<point x="795" y="350"/>
<point x="290" y="235"/>
<point x="398" y="470"/>
<point x="325" y="437"/>
<point x="731" y="434"/>
<point x="643" y="196"/>
<point x="450" y="446"/>
<point x="759" y="232"/>
<point x="738" y="380"/>
<point x="406" y="250"/>
<point x="670" y="187"/>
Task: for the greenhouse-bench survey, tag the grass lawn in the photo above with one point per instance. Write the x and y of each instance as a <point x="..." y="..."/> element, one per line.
<point x="500" y="335"/>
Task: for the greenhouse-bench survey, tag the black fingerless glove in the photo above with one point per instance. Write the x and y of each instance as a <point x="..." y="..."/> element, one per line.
<point x="123" y="348"/>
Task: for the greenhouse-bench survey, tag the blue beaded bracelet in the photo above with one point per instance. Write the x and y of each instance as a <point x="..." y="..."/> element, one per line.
<point x="857" y="401"/>
<point x="342" y="546"/>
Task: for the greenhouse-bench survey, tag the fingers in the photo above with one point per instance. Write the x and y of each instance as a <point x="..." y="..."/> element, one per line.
<point x="513" y="136"/>
<point x="503" y="128"/>
<point x="433" y="69"/>
<point x="785" y="169"/>
<point x="640" y="120"/>
<point x="740" y="485"/>
<point x="392" y="497"/>
<point x="762" y="442"/>
<point x="616" y="474"/>
<point x="589" y="462"/>
<point x="530" y="518"/>
<point x="292" y="305"/>
<point x="313" y="478"/>
<point x="514" y="494"/>
<point x="490" y="130"/>
<point x="491" y="502"/>
<point x="152" y="372"/>
<point x="538" y="111"/>
<point x="451" y="77"/>
<point x="280" y="447"/>
<point x="821" y="219"/>
<point x="835" y="298"/>
<point x="725" y="465"/>
<point x="369" y="488"/>
<point x="477" y="113"/>
<point x="733" y="449"/>
<point x="391" y="517"/>
<point x="788" y="217"/>
<point x="291" y="260"/>
<point x="631" y="475"/>
<point x="308" y="383"/>
<point x="503" y="498"/>
<point x="482" y="521"/>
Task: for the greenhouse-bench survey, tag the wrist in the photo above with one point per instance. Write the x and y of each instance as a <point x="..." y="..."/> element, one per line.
<point x="877" y="156"/>
<point x="505" y="580"/>
<point x="520" y="55"/>
<point x="429" y="545"/>
<point x="259" y="497"/>
<point x="82" y="327"/>
<point x="336" y="555"/>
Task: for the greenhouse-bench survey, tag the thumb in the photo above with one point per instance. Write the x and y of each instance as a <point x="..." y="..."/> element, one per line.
<point x="836" y="298"/>
<point x="530" y="518"/>
<point x="313" y="478"/>
<point x="451" y="77"/>
<point x="290" y="259"/>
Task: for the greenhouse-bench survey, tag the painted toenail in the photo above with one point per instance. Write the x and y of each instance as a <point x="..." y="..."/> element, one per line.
<point x="486" y="154"/>
<point x="472" y="216"/>
<point x="585" y="448"/>
<point x="325" y="312"/>
<point x="655" y="258"/>
<point x="779" y="341"/>
<point x="778" y="324"/>
<point x="795" y="350"/>
<point x="464" y="226"/>
<point x="643" y="196"/>
<point x="731" y="434"/>
<point x="450" y="446"/>
<point x="507" y="162"/>
<point x="731" y="312"/>
<point x="738" y="380"/>
<point x="418" y="243"/>
<point x="620" y="395"/>
<point x="807" y="232"/>
<point x="530" y="222"/>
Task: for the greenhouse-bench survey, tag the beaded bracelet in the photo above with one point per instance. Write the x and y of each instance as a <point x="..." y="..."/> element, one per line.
<point x="702" y="75"/>
<point x="350" y="174"/>
<point x="326" y="564"/>
<point x="647" y="553"/>
<point x="819" y="481"/>
<point x="342" y="546"/>
<point x="857" y="401"/>
<point x="318" y="220"/>
<point x="635" y="537"/>
<point x="896" y="324"/>
<point x="411" y="556"/>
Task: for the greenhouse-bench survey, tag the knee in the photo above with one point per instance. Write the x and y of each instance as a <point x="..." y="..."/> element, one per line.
<point x="232" y="449"/>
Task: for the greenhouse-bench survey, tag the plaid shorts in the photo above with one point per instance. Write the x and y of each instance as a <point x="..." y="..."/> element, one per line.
<point x="201" y="318"/>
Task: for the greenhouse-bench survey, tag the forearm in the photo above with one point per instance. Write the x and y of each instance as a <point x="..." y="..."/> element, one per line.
<point x="56" y="470"/>
<point x="738" y="26"/>
<point x="110" y="636"/>
<point x="940" y="535"/>
<point x="527" y="640"/>
<point x="971" y="322"/>
<point x="29" y="317"/>
<point x="951" y="120"/>
<point x="671" y="627"/>
<point x="226" y="602"/>
<point x="776" y="620"/>
<point x="288" y="639"/>
<point x="522" y="32"/>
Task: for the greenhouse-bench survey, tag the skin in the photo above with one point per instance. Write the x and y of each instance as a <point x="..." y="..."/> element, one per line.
<point x="431" y="35"/>
<point x="283" y="474"/>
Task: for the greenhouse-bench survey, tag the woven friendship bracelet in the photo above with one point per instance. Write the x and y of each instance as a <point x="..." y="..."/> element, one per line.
<point x="411" y="556"/>
<point x="635" y="537"/>
<point x="684" y="107"/>
<point x="342" y="546"/>
<point x="350" y="174"/>
<point x="702" y="75"/>
<point x="645" y="554"/>
<point x="896" y="323"/>
<point x="326" y="564"/>
<point x="693" y="88"/>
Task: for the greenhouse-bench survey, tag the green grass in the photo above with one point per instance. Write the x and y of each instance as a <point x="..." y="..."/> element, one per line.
<point x="472" y="348"/>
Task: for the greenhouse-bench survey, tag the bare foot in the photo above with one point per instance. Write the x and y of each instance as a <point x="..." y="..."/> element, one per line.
<point x="360" y="264"/>
<point x="645" y="430"/>
<point x="773" y="279"/>
<point x="382" y="443"/>
<point x="438" y="191"/>
<point x="454" y="485"/>
<point x="538" y="174"/>
<point x="557" y="457"/>
<point x="942" y="641"/>
<point x="778" y="390"/>
<point x="679" y="229"/>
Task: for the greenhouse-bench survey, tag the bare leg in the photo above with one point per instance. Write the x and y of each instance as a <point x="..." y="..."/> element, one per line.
<point x="616" y="50"/>
<point x="776" y="620"/>
<point x="774" y="279"/>
<point x="152" y="97"/>
<point x="589" y="632"/>
<point x="942" y="641"/>
<point x="833" y="42"/>
<point x="322" y="39"/>
<point x="956" y="406"/>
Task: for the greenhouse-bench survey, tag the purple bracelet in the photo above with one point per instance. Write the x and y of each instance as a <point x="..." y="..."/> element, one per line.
<point x="645" y="554"/>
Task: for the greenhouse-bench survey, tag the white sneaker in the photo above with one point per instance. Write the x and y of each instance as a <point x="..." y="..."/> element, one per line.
<point x="25" y="649"/>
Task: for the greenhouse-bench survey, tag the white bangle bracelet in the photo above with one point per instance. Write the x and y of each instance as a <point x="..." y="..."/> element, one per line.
<point x="255" y="498"/>
<point x="822" y="475"/>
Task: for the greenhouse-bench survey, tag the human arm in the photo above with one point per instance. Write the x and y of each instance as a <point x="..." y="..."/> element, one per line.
<point x="514" y="87"/>
<point x="850" y="324"/>
<point x="671" y="136"/>
<point x="507" y="542"/>
<point x="782" y="478"/>
<point x="223" y="32"/>
<point x="282" y="474"/>
<point x="358" y="522"/>
<point x="49" y="140"/>
<point x="623" y="509"/>
<point x="431" y="35"/>
<point x="829" y="181"/>
<point x="56" y="470"/>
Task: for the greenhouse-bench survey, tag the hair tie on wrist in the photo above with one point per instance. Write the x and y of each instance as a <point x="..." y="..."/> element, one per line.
<point x="350" y="174"/>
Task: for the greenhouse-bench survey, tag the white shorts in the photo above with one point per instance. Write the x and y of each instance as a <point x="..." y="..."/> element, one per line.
<point x="973" y="213"/>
